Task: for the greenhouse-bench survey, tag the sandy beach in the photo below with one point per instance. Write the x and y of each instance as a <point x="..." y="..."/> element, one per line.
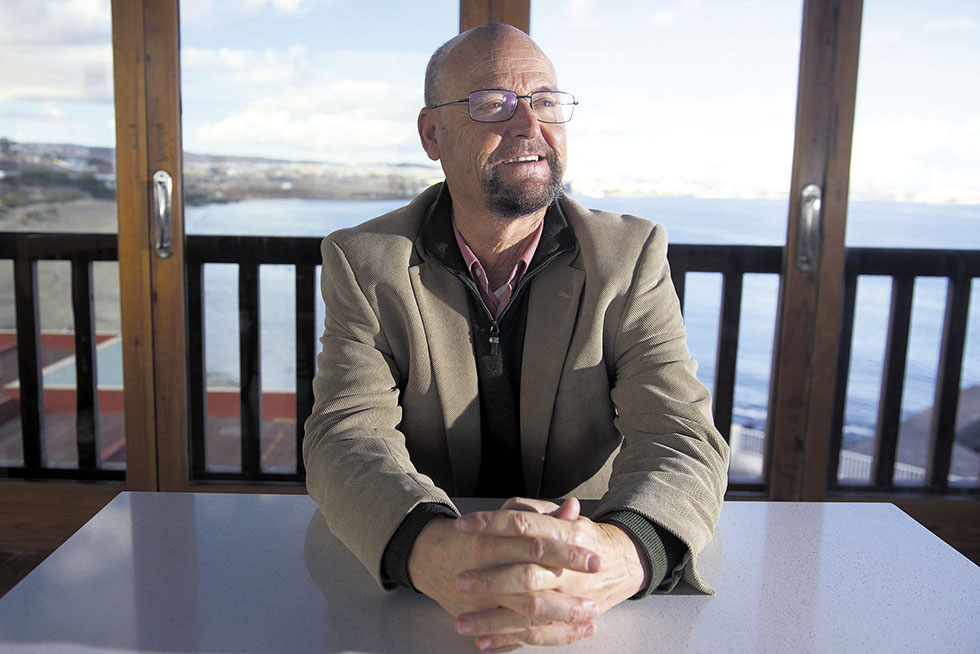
<point x="54" y="277"/>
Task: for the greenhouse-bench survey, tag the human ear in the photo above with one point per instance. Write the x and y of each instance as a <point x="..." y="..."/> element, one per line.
<point x="428" y="130"/>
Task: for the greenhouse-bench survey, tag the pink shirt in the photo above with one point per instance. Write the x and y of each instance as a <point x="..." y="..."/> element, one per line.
<point x="497" y="299"/>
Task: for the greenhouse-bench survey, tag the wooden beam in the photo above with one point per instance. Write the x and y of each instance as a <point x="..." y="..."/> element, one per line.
<point x="41" y="516"/>
<point x="480" y="12"/>
<point x="165" y="152"/>
<point x="132" y="205"/>
<point x="802" y="387"/>
<point x="147" y="88"/>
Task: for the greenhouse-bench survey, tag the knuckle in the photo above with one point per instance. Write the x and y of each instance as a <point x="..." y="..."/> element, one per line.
<point x="539" y="547"/>
<point x="521" y="521"/>
<point x="531" y="578"/>
<point x="533" y="606"/>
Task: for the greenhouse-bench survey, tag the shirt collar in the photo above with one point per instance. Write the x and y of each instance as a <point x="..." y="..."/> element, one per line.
<point x="440" y="242"/>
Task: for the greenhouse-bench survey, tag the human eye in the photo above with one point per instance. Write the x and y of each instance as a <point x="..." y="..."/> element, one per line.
<point x="493" y="104"/>
<point x="546" y="100"/>
<point x="487" y="104"/>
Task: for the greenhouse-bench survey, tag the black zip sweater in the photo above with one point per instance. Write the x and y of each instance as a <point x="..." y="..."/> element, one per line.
<point x="498" y="346"/>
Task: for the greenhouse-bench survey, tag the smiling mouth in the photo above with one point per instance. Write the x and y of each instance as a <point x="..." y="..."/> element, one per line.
<point x="530" y="158"/>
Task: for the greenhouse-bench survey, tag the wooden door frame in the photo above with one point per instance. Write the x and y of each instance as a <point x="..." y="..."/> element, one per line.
<point x="805" y="352"/>
<point x="148" y="138"/>
<point x="478" y="12"/>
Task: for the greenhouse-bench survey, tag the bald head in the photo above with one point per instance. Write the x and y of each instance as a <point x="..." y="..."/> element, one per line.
<point x="477" y="46"/>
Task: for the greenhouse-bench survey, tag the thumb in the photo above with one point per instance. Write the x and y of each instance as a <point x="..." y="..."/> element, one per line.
<point x="570" y="510"/>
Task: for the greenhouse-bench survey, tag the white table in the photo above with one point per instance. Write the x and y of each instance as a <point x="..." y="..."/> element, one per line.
<point x="158" y="572"/>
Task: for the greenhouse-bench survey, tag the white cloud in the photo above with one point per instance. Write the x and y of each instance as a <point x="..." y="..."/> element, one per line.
<point x="286" y="6"/>
<point x="915" y="157"/>
<point x="207" y="11"/>
<point x="55" y="22"/>
<point x="319" y="132"/>
<point x="953" y="24"/>
<point x="662" y="19"/>
<point x="60" y="50"/>
<point x="75" y="73"/>
<point x="51" y="110"/>
<point x="579" y="11"/>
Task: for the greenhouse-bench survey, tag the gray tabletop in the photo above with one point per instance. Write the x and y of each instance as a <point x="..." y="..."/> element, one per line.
<point x="160" y="572"/>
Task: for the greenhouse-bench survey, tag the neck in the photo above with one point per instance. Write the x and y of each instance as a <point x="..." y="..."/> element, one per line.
<point x="497" y="242"/>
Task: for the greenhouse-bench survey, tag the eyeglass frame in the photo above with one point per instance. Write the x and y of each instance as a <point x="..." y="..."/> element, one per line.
<point x="517" y="99"/>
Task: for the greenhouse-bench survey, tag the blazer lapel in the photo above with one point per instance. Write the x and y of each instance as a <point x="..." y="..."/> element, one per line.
<point x="551" y="315"/>
<point x="443" y="305"/>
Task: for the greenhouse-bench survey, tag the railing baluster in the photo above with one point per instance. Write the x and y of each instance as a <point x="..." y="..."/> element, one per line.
<point x="86" y="367"/>
<point x="305" y="352"/>
<point x="29" y="355"/>
<point x="723" y="398"/>
<point x="848" y="302"/>
<point x="943" y="431"/>
<point x="679" y="277"/>
<point x="197" y="375"/>
<point x="250" y="366"/>
<point x="893" y="380"/>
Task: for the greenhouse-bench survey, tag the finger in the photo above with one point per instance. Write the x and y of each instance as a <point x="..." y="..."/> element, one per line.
<point x="490" y="552"/>
<point x="551" y="634"/>
<point x="569" y="510"/>
<point x="522" y="611"/>
<point x="528" y="504"/>
<point x="515" y="578"/>
<point x="524" y="523"/>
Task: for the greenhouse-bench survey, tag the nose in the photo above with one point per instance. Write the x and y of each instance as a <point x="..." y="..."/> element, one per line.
<point x="524" y="122"/>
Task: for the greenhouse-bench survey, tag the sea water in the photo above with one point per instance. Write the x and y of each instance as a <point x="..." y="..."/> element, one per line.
<point x="687" y="220"/>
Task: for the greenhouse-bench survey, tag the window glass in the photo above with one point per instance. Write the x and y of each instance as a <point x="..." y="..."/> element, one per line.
<point x="57" y="174"/>
<point x="686" y="117"/>
<point x="914" y="170"/>
<point x="299" y="118"/>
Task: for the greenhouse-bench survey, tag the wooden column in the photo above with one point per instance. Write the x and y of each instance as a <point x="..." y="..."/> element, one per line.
<point x="479" y="12"/>
<point x="802" y="395"/>
<point x="147" y="87"/>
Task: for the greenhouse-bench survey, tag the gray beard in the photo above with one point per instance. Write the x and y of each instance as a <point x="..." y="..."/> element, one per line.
<point x="506" y="201"/>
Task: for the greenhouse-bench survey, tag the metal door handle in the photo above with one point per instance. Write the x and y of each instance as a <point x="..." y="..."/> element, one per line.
<point x="808" y="250"/>
<point x="163" y="189"/>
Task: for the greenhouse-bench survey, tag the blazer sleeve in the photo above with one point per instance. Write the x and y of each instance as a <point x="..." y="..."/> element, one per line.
<point x="358" y="469"/>
<point x="672" y="467"/>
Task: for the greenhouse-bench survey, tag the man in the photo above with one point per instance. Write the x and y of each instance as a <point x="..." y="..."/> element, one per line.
<point x="495" y="339"/>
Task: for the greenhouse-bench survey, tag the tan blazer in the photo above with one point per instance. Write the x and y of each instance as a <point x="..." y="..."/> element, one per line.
<point x="610" y="407"/>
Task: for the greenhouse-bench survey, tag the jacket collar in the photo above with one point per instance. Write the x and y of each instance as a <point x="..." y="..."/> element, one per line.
<point x="438" y="241"/>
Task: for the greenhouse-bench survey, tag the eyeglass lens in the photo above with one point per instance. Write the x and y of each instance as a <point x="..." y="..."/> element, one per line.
<point x="495" y="106"/>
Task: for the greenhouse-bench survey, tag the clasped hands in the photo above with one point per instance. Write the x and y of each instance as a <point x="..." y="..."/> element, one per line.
<point x="530" y="572"/>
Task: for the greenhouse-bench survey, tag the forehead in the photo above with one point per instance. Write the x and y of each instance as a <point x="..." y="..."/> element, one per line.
<point x="511" y="63"/>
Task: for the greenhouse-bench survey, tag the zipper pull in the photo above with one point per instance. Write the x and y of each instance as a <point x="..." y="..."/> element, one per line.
<point x="494" y="339"/>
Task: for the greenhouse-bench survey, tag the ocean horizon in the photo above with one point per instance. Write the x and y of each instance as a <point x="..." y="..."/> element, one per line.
<point x="687" y="220"/>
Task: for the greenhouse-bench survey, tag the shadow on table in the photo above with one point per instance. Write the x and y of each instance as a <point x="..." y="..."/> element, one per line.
<point x="362" y="617"/>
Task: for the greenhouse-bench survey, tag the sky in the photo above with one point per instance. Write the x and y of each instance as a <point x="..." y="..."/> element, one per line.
<point x="695" y="96"/>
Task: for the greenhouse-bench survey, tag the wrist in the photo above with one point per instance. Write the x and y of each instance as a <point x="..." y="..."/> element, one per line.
<point x="422" y="566"/>
<point x="632" y="555"/>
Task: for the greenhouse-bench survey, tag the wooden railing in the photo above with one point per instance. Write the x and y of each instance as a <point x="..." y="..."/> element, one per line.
<point x="732" y="262"/>
<point x="25" y="250"/>
<point x="904" y="266"/>
<point x="249" y="253"/>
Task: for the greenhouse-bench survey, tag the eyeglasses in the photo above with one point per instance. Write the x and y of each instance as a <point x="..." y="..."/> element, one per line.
<point x="495" y="106"/>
